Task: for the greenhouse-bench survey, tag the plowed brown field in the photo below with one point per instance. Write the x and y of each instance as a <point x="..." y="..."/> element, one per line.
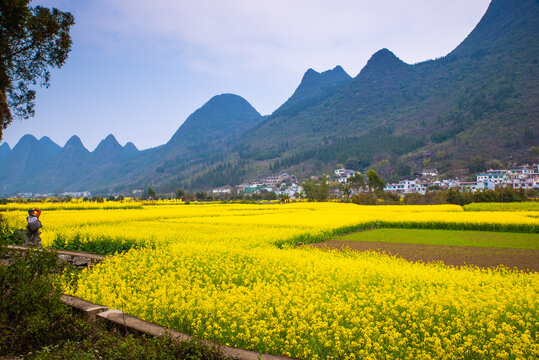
<point x="523" y="259"/>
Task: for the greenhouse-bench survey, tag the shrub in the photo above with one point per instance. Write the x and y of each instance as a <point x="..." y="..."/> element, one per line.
<point x="430" y="198"/>
<point x="113" y="346"/>
<point x="32" y="314"/>
<point x="10" y="235"/>
<point x="364" y="198"/>
<point x="34" y="321"/>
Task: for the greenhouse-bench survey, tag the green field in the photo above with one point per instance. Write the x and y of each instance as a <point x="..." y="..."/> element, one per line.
<point x="448" y="237"/>
<point x="514" y="206"/>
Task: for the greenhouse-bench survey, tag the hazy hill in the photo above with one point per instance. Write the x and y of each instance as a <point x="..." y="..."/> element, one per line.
<point x="50" y="148"/>
<point x="130" y="148"/>
<point x="108" y="149"/>
<point x="203" y="137"/>
<point x="478" y="104"/>
<point x="222" y="119"/>
<point x="4" y="152"/>
<point x="21" y="167"/>
<point x="313" y="88"/>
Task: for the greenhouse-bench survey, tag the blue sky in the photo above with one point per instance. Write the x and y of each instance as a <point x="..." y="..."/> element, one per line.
<point x="139" y="68"/>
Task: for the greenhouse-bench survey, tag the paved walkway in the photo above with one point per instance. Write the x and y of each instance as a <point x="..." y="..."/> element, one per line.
<point x="63" y="252"/>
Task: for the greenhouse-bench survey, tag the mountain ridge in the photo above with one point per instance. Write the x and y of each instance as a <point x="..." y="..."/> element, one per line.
<point x="477" y="104"/>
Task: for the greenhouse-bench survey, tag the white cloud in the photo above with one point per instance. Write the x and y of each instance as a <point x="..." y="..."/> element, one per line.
<point x="239" y="35"/>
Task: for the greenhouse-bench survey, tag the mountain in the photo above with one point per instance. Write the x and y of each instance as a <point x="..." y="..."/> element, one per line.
<point x="480" y="101"/>
<point x="50" y="148"/>
<point x="4" y="151"/>
<point x="107" y="149"/>
<point x="313" y="88"/>
<point x="25" y="161"/>
<point x="70" y="164"/>
<point x="204" y="138"/>
<point x="222" y="119"/>
<point x="72" y="156"/>
<point x="130" y="148"/>
<point x="476" y="107"/>
<point x="206" y="134"/>
<point x="72" y="151"/>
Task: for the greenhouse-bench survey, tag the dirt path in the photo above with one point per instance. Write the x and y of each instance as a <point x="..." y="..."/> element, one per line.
<point x="522" y="259"/>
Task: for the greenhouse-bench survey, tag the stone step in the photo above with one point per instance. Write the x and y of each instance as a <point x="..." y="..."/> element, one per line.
<point x="135" y="325"/>
<point x="76" y="258"/>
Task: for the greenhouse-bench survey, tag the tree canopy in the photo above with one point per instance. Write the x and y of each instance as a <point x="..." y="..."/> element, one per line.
<point x="357" y="181"/>
<point x="375" y="181"/>
<point x="316" y="190"/>
<point x="32" y="40"/>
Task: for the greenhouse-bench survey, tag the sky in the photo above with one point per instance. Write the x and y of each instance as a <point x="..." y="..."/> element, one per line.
<point x="139" y="68"/>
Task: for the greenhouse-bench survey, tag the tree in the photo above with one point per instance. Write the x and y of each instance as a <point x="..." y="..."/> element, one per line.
<point x="375" y="181"/>
<point x="458" y="197"/>
<point x="151" y="194"/>
<point x="180" y="193"/>
<point x="316" y="190"/>
<point x="346" y="190"/>
<point x="357" y="181"/>
<point x="477" y="164"/>
<point x="284" y="198"/>
<point x="32" y="40"/>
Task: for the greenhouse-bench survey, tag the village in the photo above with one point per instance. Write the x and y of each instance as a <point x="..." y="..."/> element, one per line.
<point x="284" y="184"/>
<point x="524" y="177"/>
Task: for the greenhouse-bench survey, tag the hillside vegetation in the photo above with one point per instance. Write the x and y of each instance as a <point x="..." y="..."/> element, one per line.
<point x="475" y="108"/>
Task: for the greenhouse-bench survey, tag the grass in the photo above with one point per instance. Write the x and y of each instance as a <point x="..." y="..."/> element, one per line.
<point x="514" y="206"/>
<point x="448" y="237"/>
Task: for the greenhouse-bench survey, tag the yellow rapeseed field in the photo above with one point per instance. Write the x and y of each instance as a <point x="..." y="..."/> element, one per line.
<point x="255" y="225"/>
<point x="315" y="305"/>
<point x="231" y="273"/>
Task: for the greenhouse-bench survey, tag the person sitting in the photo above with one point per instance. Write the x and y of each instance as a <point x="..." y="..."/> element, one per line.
<point x="32" y="229"/>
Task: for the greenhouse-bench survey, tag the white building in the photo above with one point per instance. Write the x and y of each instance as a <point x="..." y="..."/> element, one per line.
<point x="342" y="172"/>
<point x="78" y="194"/>
<point x="404" y="187"/>
<point x="520" y="178"/>
<point x="293" y="190"/>
<point x="222" y="190"/>
<point x="272" y="180"/>
<point x="493" y="176"/>
<point x="429" y="172"/>
<point x="284" y="175"/>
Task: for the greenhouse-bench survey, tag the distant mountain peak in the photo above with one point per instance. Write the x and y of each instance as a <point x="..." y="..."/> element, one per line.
<point x="74" y="145"/>
<point x="506" y="23"/>
<point x="109" y="140"/>
<point x="50" y="147"/>
<point x="223" y="116"/>
<point x="109" y="146"/>
<point x="224" y="98"/>
<point x="74" y="140"/>
<point x="337" y="74"/>
<point x="310" y="73"/>
<point x="384" y="59"/>
<point x="4" y="151"/>
<point x="130" y="148"/>
<point x="314" y="87"/>
<point x="45" y="139"/>
<point x="26" y="139"/>
<point x="130" y="145"/>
